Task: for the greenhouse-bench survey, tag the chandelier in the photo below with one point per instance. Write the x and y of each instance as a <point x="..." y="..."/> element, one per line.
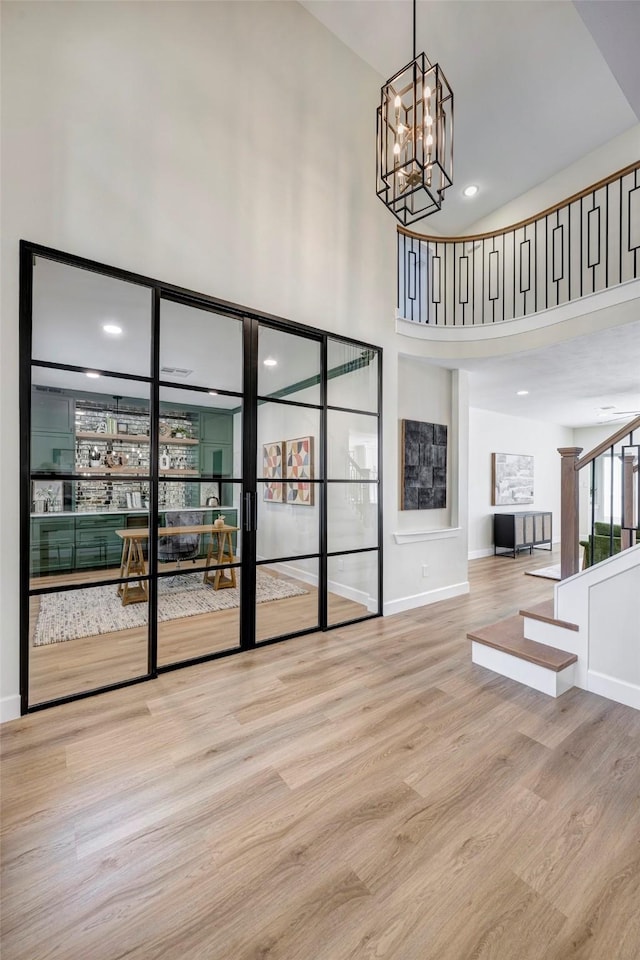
<point x="415" y="139"/>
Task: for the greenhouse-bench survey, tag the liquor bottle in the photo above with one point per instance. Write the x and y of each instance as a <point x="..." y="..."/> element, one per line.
<point x="165" y="460"/>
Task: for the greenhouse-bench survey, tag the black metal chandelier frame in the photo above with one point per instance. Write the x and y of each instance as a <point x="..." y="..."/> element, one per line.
<point x="415" y="138"/>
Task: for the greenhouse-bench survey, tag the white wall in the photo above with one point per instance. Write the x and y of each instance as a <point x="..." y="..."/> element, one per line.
<point x="430" y="546"/>
<point x="491" y="432"/>
<point x="226" y="147"/>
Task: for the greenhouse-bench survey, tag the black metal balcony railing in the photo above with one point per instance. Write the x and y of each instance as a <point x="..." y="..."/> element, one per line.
<point x="583" y="245"/>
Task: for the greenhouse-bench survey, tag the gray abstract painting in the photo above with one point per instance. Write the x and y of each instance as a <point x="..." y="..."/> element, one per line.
<point x="424" y="465"/>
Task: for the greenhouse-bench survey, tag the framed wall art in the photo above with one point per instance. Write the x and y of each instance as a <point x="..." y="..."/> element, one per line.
<point x="511" y="479"/>
<point x="273" y="455"/>
<point x="299" y="467"/>
<point x="424" y="466"/>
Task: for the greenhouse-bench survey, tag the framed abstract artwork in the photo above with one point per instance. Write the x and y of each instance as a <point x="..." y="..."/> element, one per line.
<point x="298" y="471"/>
<point x="424" y="465"/>
<point x="511" y="479"/>
<point x="273" y="455"/>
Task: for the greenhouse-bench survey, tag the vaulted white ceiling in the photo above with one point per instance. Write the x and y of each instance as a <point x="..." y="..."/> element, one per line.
<point x="537" y="85"/>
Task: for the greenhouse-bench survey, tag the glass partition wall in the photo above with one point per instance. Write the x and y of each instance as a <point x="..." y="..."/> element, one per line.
<point x="197" y="479"/>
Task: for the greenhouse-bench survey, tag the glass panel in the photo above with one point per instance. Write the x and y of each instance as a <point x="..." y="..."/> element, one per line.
<point x="195" y="618"/>
<point x="288" y="366"/>
<point x="200" y="347"/>
<point x="352" y="376"/>
<point x="83" y="639"/>
<point x="352" y="589"/>
<point x="197" y="531"/>
<point x="352" y="516"/>
<point x="77" y="526"/>
<point x="90" y="320"/>
<point x="93" y="424"/>
<point x="200" y="435"/>
<point x="352" y="446"/>
<point x="286" y="598"/>
<point x="288" y="505"/>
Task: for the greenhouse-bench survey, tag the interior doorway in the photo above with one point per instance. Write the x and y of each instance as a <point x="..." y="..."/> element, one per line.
<point x="197" y="479"/>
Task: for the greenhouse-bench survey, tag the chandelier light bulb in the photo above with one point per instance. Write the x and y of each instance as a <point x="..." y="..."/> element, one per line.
<point x="400" y="129"/>
<point x="427" y="92"/>
<point x="429" y="140"/>
<point x="396" y="149"/>
<point x="429" y="120"/>
<point x="397" y="102"/>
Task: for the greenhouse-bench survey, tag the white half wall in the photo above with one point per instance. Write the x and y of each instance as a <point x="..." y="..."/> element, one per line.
<point x="491" y="432"/>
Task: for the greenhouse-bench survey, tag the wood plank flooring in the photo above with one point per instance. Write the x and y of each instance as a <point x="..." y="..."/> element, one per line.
<point x="87" y="663"/>
<point x="363" y="794"/>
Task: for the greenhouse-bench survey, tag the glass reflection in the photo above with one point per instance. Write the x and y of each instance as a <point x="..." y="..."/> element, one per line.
<point x="90" y="320"/>
<point x="84" y="639"/>
<point x="196" y="617"/>
<point x="352" y="376"/>
<point x="286" y="598"/>
<point x="352" y="589"/>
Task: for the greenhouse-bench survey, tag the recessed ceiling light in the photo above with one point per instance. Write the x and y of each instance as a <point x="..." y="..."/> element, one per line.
<point x="213" y="393"/>
<point x="112" y="328"/>
<point x="93" y="374"/>
<point x="270" y="362"/>
<point x="522" y="393"/>
<point x="471" y="190"/>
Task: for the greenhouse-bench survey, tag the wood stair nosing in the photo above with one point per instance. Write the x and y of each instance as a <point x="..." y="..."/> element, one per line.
<point x="544" y="612"/>
<point x="507" y="636"/>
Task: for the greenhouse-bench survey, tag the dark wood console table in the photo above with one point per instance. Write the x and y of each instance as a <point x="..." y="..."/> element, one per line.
<point x="522" y="530"/>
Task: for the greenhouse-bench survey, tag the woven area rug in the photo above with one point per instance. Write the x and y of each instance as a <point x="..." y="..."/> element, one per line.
<point x="96" y="610"/>
<point x="549" y="573"/>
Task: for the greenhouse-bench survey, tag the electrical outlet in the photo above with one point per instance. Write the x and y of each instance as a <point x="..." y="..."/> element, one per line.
<point x="425" y="570"/>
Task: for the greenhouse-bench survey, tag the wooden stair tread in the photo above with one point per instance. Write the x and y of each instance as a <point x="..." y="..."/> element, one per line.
<point x="507" y="635"/>
<point x="544" y="611"/>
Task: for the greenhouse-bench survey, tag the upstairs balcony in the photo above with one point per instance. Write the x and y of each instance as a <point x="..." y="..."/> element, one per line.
<point x="587" y="244"/>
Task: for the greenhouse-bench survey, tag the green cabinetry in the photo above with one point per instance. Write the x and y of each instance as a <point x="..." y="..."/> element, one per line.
<point x="52" y="432"/>
<point x="96" y="542"/>
<point x="52" y="545"/>
<point x="70" y="542"/>
<point x="216" y="444"/>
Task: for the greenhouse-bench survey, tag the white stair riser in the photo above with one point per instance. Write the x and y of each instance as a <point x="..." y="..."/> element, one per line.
<point x="552" y="635"/>
<point x="553" y="683"/>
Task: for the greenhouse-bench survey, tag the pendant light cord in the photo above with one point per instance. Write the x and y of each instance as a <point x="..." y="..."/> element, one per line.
<point x="414" y="29"/>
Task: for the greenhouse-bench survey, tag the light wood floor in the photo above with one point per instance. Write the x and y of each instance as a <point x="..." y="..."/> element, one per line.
<point x="359" y="795"/>
<point x="86" y="663"/>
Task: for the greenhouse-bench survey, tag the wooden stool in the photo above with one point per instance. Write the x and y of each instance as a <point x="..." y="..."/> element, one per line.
<point x="220" y="552"/>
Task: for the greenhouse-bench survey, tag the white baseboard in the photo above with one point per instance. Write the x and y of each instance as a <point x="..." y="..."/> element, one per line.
<point x="9" y="708"/>
<point x="476" y="554"/>
<point x="333" y="586"/>
<point x="614" y="689"/>
<point x="423" y="599"/>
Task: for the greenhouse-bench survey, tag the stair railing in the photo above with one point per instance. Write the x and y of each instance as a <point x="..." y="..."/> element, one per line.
<point x="571" y="465"/>
<point x="586" y="243"/>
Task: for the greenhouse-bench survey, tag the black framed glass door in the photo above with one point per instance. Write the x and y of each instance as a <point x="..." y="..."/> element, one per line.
<point x="197" y="479"/>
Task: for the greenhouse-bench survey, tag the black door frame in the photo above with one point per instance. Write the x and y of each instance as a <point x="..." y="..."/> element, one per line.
<point x="251" y="319"/>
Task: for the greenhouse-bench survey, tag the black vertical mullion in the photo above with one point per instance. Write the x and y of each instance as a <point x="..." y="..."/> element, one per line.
<point x="323" y="511"/>
<point x="380" y="461"/>
<point x="249" y="471"/>
<point x="154" y="493"/>
<point x="26" y="303"/>
<point x="606" y="238"/>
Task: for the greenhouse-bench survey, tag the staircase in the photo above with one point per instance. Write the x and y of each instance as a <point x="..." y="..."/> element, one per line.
<point x="588" y="635"/>
<point x="523" y="648"/>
